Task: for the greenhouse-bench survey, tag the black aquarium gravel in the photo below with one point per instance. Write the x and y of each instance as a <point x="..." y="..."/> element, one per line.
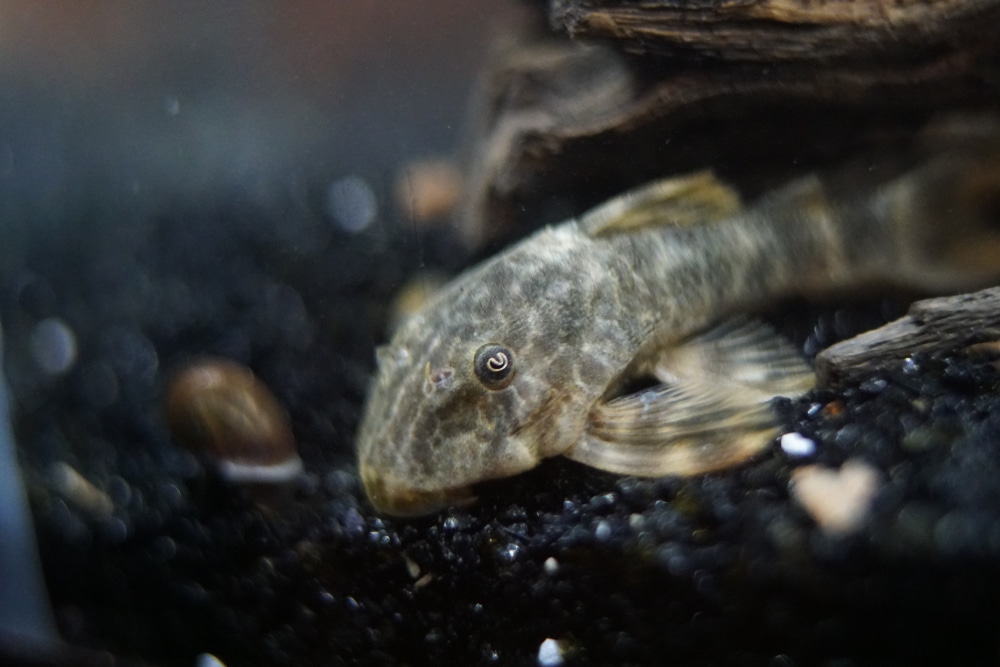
<point x="717" y="570"/>
<point x="150" y="558"/>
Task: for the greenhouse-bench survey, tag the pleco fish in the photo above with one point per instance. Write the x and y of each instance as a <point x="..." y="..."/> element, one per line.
<point x="538" y="351"/>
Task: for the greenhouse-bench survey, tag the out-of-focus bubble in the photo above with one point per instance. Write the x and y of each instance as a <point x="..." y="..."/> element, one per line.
<point x="428" y="190"/>
<point x="53" y="346"/>
<point x="351" y="203"/>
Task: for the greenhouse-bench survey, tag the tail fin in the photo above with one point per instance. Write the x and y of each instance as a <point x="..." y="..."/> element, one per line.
<point x="945" y="215"/>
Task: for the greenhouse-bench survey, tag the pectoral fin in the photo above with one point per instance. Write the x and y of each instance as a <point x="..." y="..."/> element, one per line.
<point x="678" y="201"/>
<point x="712" y="410"/>
<point x="741" y="354"/>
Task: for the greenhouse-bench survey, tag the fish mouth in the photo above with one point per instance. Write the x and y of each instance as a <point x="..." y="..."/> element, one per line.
<point x="397" y="498"/>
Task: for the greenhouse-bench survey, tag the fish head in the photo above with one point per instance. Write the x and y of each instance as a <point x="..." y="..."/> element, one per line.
<point x="477" y="386"/>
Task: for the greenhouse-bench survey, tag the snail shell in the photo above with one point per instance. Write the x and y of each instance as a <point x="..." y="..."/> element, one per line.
<point x="232" y="421"/>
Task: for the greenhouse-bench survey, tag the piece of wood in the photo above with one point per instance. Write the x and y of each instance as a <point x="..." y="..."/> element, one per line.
<point x="560" y="127"/>
<point x="933" y="326"/>
<point x="774" y="31"/>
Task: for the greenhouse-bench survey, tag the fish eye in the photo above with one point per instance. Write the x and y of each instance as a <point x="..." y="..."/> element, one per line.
<point x="494" y="366"/>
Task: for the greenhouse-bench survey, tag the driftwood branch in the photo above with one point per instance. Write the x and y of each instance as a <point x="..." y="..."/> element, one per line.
<point x="561" y="126"/>
<point x="932" y="326"/>
<point x="775" y="31"/>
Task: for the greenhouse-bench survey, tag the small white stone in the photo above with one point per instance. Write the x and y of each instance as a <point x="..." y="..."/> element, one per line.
<point x="837" y="500"/>
<point x="550" y="654"/>
<point x="796" y="444"/>
<point x="551" y="566"/>
<point x="603" y="531"/>
<point x="208" y="660"/>
<point x="412" y="568"/>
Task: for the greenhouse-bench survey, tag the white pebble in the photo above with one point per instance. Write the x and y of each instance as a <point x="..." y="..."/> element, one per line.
<point x="551" y="566"/>
<point x="550" y="654"/>
<point x="838" y="500"/>
<point x="603" y="531"/>
<point x="796" y="444"/>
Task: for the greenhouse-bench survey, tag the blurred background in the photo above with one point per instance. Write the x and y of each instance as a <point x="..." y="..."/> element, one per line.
<point x="149" y="153"/>
<point x="127" y="105"/>
<point x="180" y="179"/>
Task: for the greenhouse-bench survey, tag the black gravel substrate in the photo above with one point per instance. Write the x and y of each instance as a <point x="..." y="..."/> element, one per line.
<point x="723" y="569"/>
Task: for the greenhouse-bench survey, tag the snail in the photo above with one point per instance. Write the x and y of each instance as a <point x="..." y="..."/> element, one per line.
<point x="234" y="425"/>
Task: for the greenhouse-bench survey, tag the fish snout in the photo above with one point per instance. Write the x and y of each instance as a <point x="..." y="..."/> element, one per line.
<point x="390" y="494"/>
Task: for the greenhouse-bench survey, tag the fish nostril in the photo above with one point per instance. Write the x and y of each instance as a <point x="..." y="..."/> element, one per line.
<point x="439" y="378"/>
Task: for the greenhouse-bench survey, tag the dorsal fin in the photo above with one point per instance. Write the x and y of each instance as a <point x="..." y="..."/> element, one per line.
<point x="677" y="201"/>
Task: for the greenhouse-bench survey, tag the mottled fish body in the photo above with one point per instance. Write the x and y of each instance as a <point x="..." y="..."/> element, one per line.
<point x="532" y="354"/>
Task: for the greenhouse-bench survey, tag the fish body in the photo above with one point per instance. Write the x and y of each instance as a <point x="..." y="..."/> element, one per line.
<point x="534" y="353"/>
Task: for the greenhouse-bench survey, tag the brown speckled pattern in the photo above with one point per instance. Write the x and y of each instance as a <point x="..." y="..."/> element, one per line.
<point x="577" y="311"/>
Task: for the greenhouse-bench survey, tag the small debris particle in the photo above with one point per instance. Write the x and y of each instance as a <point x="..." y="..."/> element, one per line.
<point x="922" y="438"/>
<point x="833" y="409"/>
<point x="411" y="567"/>
<point x="796" y="444"/>
<point x="78" y="490"/>
<point x="550" y="654"/>
<point x="551" y="566"/>
<point x="837" y="500"/>
<point x="874" y="386"/>
<point x="429" y="190"/>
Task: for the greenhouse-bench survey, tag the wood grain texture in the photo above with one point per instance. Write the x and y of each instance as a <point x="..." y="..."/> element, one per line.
<point x="932" y="326"/>
<point x="778" y="30"/>
<point x="560" y="127"/>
